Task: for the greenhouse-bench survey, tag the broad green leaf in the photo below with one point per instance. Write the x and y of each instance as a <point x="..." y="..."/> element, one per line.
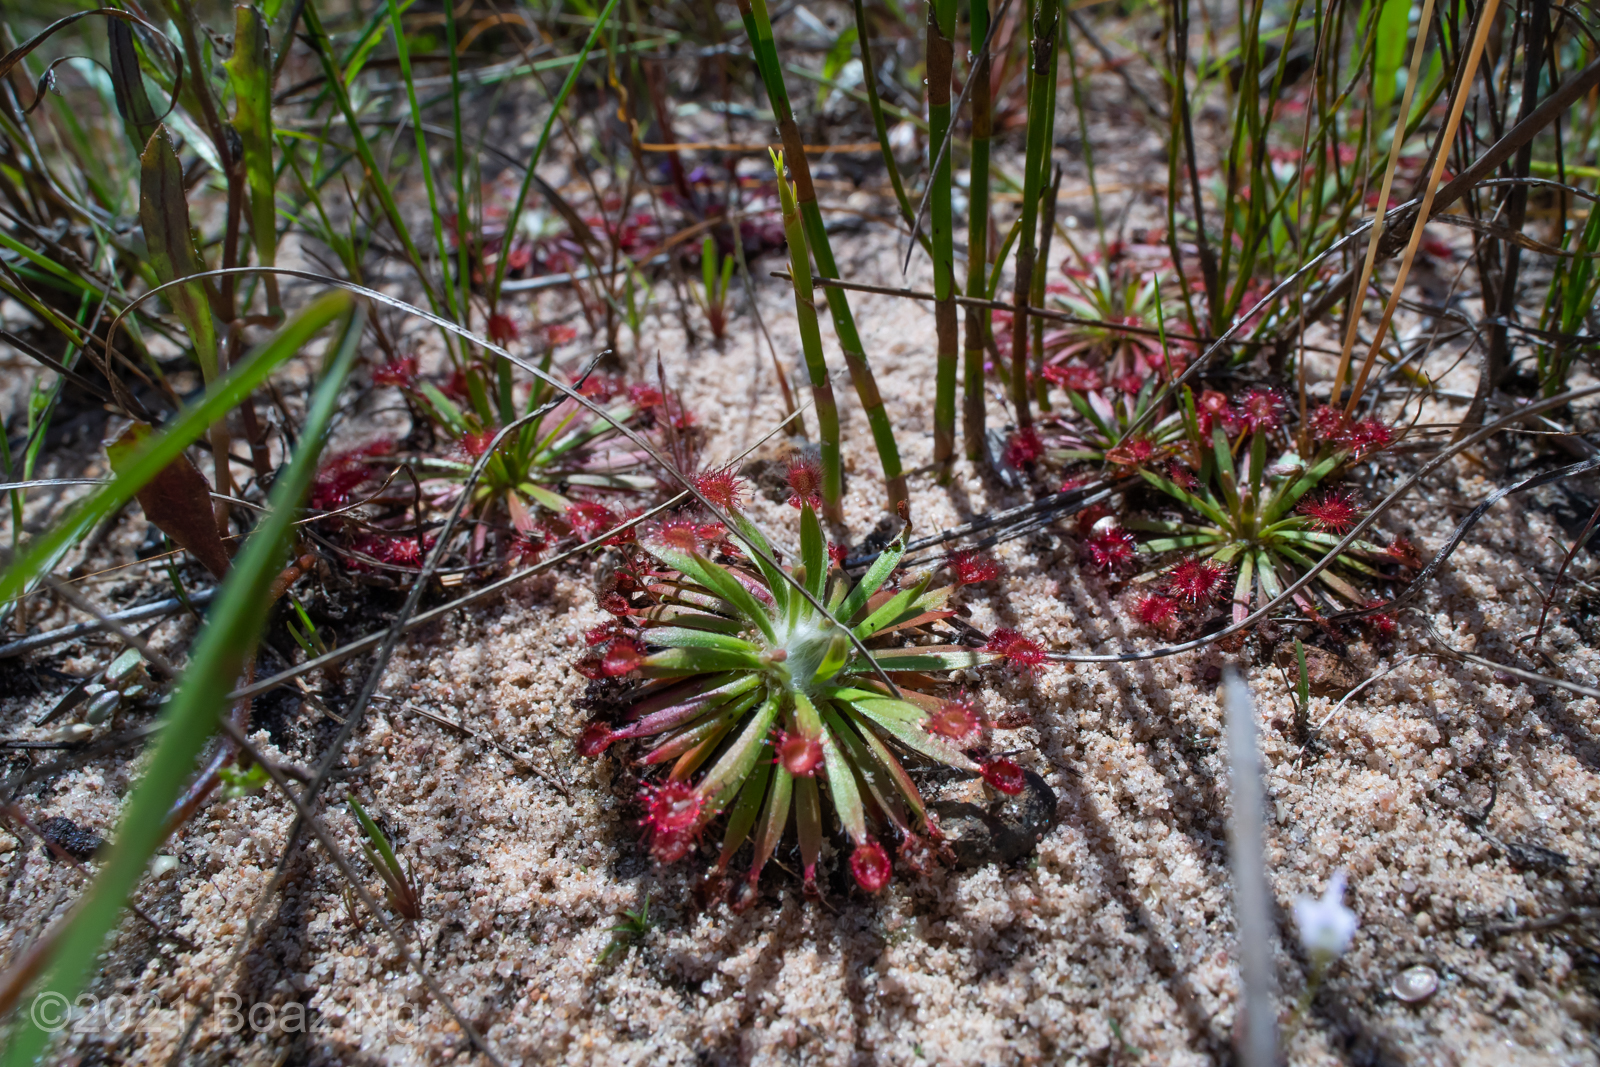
<point x="1394" y="21"/>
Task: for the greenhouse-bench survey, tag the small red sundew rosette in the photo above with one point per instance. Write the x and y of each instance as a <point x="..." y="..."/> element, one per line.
<point x="754" y="710"/>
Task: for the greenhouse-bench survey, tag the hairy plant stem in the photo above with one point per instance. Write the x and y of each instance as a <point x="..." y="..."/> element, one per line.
<point x="977" y="332"/>
<point x="941" y="58"/>
<point x="759" y="29"/>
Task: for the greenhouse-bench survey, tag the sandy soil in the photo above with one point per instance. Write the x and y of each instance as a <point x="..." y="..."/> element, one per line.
<point x="1111" y="945"/>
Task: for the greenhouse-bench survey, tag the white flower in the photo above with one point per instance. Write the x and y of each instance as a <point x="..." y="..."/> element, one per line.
<point x="1326" y="925"/>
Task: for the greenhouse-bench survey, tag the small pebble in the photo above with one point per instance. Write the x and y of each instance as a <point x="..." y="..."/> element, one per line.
<point x="1415" y="984"/>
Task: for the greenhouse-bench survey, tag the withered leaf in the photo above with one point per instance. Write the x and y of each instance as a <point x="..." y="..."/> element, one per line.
<point x="178" y="501"/>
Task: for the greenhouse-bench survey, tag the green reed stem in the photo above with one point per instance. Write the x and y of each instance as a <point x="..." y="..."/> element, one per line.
<point x="759" y="28"/>
<point x="941" y="58"/>
<point x="805" y="309"/>
<point x="880" y="125"/>
<point x="1041" y="106"/>
<point x="977" y="332"/>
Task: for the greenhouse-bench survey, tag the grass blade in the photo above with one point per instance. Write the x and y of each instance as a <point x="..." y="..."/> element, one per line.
<point x="140" y="468"/>
<point x="225" y="644"/>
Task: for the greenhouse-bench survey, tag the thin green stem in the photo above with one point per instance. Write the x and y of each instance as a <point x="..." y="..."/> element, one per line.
<point x="805" y="310"/>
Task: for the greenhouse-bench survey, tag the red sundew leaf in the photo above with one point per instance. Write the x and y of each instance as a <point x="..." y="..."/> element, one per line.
<point x="1024" y="448"/>
<point x="595" y="739"/>
<point x="1133" y="452"/>
<point x="869" y="863"/>
<point x="1004" y="775"/>
<point x="401" y="372"/>
<point x="956" y="720"/>
<point x="1130" y="383"/>
<point x="623" y="657"/>
<point x="1334" y="511"/>
<point x="1021" y="652"/>
<point x="502" y="331"/>
<point x="722" y="487"/>
<point x="970" y="568"/>
<point x="805" y="484"/>
<point x="680" y="534"/>
<point x="476" y="444"/>
<point x="1157" y="611"/>
<point x="1110" y="550"/>
<point x="1089" y="516"/>
<point x="1214" y="409"/>
<point x="799" y="755"/>
<point x="1403" y="552"/>
<point x="1073" y="378"/>
<point x="671" y="807"/>
<point x="1261" y="411"/>
<point x="1196" y="581"/>
<point x="1382" y="624"/>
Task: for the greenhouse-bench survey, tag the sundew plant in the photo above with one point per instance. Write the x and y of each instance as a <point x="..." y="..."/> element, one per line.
<point x="1260" y="514"/>
<point x="781" y="694"/>
<point x="315" y="321"/>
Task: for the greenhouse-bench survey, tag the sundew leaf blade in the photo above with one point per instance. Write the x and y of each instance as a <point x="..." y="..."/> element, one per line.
<point x="913" y="736"/>
<point x="892" y="608"/>
<point x="736" y="763"/>
<point x="876" y="575"/>
<point x="689" y="637"/>
<point x="869" y="769"/>
<point x="681" y="662"/>
<point x="813" y="551"/>
<point x="842" y="787"/>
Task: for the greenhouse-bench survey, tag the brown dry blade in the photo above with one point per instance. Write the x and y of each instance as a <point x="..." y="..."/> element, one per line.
<point x="164" y="214"/>
<point x="138" y="117"/>
<point x="178" y="501"/>
<point x="19" y="53"/>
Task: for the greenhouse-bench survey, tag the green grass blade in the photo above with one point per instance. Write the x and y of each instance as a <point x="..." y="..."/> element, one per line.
<point x="222" y="397"/>
<point x="403" y="54"/>
<point x="225" y="643"/>
<point x="250" y="74"/>
<point x="538" y="149"/>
